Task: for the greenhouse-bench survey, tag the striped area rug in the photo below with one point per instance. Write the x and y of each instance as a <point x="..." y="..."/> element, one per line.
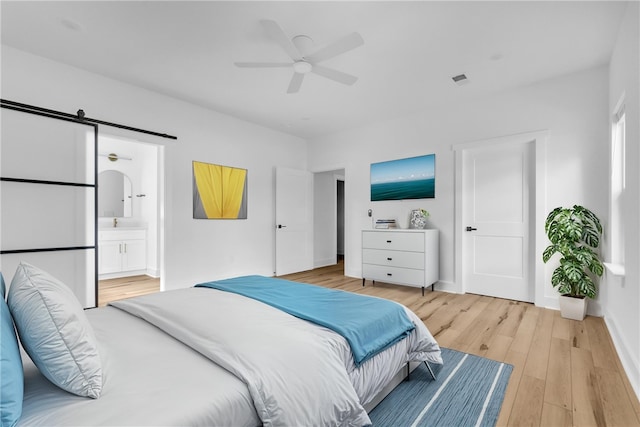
<point x="469" y="391"/>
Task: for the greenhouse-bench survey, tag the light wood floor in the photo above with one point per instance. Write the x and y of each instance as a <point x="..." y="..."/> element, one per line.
<point x="566" y="373"/>
<point x="125" y="287"/>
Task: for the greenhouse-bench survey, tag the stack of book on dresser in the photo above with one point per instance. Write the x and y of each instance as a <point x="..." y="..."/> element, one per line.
<point x="386" y="223"/>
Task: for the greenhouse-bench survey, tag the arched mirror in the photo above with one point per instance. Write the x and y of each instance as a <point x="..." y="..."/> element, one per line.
<point x="114" y="194"/>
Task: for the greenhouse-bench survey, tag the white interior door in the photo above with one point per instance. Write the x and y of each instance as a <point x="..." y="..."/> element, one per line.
<point x="294" y="221"/>
<point x="496" y="212"/>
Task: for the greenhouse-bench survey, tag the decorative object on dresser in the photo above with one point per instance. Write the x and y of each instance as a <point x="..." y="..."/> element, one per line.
<point x="418" y="219"/>
<point x="386" y="223"/>
<point x="402" y="257"/>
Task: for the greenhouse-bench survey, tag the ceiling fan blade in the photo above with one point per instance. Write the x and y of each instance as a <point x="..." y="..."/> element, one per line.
<point x="335" y="75"/>
<point x="295" y="83"/>
<point x="262" y="64"/>
<point x="341" y="46"/>
<point x="274" y="31"/>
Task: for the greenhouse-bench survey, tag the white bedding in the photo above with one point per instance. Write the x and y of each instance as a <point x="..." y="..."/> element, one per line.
<point x="152" y="379"/>
<point x="314" y="377"/>
<point x="149" y="379"/>
<point x="291" y="367"/>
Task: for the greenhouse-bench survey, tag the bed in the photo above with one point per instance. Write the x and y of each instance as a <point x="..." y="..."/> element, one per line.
<point x="210" y="356"/>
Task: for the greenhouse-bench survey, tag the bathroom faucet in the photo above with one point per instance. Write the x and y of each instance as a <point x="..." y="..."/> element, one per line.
<point x="115" y="222"/>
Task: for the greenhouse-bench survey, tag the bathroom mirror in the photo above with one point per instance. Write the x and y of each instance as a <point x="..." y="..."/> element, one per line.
<point x="114" y="194"/>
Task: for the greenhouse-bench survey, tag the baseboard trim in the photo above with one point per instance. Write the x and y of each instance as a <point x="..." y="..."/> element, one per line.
<point x="122" y="274"/>
<point x="324" y="262"/>
<point x="446" y="286"/>
<point x="153" y="273"/>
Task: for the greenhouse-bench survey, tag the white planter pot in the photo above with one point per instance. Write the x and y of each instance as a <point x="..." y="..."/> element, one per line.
<point x="573" y="308"/>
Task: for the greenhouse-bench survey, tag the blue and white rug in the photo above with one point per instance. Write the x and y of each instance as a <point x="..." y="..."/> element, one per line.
<point x="469" y="391"/>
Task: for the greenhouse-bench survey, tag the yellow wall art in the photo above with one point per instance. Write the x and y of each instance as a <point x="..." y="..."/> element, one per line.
<point x="219" y="192"/>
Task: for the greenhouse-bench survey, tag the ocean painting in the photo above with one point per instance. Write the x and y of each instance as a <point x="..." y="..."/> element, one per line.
<point x="411" y="178"/>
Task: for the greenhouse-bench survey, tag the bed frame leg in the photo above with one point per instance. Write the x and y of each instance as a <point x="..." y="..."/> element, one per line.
<point x="433" y="376"/>
<point x="430" y="370"/>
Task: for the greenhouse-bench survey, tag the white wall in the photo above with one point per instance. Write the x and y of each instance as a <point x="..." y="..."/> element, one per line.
<point x="621" y="297"/>
<point x="195" y="250"/>
<point x="573" y="109"/>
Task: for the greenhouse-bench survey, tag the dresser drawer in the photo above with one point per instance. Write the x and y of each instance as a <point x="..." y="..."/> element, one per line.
<point x="393" y="258"/>
<point x="404" y="276"/>
<point x="405" y="241"/>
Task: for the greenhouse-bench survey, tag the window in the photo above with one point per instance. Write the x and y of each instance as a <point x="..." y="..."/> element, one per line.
<point x="617" y="187"/>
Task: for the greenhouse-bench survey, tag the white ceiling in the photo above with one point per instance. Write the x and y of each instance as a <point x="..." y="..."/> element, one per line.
<point x="411" y="51"/>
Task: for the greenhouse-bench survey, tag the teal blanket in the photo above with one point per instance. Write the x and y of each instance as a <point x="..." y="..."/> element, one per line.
<point x="369" y="324"/>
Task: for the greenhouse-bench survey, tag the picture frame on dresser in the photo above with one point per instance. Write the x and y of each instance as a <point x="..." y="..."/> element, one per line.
<point x="407" y="257"/>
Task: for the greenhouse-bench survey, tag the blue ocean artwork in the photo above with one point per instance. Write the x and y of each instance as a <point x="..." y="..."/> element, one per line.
<point x="411" y="178"/>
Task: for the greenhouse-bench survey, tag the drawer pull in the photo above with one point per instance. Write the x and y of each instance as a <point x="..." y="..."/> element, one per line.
<point x="389" y="274"/>
<point x="388" y="241"/>
<point x="389" y="259"/>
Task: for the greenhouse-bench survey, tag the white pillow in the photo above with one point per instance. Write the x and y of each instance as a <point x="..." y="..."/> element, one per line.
<point x="55" y="332"/>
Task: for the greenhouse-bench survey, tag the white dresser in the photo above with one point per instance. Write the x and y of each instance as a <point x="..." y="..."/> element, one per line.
<point x="403" y="257"/>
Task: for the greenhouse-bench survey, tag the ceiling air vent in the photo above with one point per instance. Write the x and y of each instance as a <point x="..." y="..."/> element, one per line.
<point x="460" y="79"/>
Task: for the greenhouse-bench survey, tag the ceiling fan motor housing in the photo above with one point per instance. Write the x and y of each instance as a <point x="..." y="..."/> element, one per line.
<point x="302" y="67"/>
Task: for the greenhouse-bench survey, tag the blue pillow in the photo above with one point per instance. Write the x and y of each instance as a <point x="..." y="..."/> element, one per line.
<point x="11" y="373"/>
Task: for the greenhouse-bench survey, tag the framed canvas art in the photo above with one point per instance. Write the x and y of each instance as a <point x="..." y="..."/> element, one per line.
<point x="219" y="192"/>
<point x="411" y="178"/>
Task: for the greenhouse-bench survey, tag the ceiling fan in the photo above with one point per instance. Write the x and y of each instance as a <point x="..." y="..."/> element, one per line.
<point x="304" y="63"/>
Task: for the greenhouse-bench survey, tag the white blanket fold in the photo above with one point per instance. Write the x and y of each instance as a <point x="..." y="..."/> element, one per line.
<point x="293" y="373"/>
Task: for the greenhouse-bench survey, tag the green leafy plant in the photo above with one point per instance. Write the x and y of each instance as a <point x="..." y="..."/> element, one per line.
<point x="574" y="233"/>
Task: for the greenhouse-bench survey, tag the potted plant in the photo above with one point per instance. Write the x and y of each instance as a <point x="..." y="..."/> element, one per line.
<point x="574" y="233"/>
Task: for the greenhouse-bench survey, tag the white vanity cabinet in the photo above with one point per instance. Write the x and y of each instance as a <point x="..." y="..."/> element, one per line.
<point x="122" y="252"/>
<point x="403" y="257"/>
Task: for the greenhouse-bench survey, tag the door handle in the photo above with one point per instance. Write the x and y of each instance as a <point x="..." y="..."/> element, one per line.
<point x="282" y="226"/>
<point x="471" y="228"/>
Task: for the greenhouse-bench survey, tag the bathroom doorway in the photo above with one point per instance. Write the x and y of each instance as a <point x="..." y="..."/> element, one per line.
<point x="129" y="222"/>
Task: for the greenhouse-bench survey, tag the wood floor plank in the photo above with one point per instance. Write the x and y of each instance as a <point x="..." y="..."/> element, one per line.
<point x="517" y="360"/>
<point x="561" y="327"/>
<point x="555" y="416"/>
<point x="474" y="336"/>
<point x="498" y="347"/>
<point x="526" y="329"/>
<point x="588" y="409"/>
<point x="617" y="406"/>
<point x="601" y="352"/>
<point x="126" y="287"/>
<point x="558" y="386"/>
<point x="509" y="325"/>
<point x="527" y="408"/>
<point x="579" y="335"/>
<point x="492" y="320"/>
<point x="538" y="360"/>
